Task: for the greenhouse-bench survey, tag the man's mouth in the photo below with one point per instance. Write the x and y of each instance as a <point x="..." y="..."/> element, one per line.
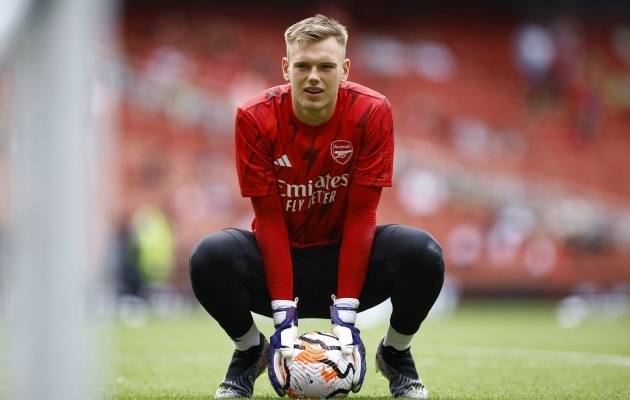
<point x="313" y="90"/>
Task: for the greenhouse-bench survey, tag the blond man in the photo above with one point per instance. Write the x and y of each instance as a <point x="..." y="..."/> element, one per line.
<point x="313" y="156"/>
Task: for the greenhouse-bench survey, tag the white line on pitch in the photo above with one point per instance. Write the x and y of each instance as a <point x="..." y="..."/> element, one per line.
<point x="570" y="357"/>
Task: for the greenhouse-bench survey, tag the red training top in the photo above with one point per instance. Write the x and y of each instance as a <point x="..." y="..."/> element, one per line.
<point x="311" y="167"/>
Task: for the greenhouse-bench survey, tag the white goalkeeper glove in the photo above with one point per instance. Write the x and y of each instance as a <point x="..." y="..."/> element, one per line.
<point x="343" y="314"/>
<point x="285" y="320"/>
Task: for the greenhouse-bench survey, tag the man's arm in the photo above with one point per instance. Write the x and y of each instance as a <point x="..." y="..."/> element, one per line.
<point x="356" y="246"/>
<point x="273" y="242"/>
<point x="358" y="235"/>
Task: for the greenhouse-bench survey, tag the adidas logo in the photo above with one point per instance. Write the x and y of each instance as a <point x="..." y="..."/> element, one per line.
<point x="283" y="161"/>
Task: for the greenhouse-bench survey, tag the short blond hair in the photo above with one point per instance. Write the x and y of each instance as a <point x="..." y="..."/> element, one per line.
<point x="314" y="29"/>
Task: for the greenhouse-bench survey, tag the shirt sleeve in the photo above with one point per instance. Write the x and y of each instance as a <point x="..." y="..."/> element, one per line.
<point x="254" y="163"/>
<point x="358" y="236"/>
<point x="273" y="243"/>
<point x="374" y="165"/>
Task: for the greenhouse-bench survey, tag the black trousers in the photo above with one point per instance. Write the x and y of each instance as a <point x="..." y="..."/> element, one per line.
<point x="228" y="277"/>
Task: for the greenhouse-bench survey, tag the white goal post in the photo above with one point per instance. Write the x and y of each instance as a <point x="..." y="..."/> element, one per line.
<point x="51" y="46"/>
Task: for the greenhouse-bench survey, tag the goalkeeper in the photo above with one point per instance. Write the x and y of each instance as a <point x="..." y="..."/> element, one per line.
<point x="313" y="156"/>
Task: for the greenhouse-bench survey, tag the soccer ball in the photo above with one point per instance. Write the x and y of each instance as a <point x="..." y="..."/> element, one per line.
<point x="318" y="368"/>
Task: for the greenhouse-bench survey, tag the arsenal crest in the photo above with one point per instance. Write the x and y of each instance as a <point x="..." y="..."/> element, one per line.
<point x="341" y="151"/>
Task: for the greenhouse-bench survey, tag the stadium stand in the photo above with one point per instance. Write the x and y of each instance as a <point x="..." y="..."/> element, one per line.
<point x="521" y="172"/>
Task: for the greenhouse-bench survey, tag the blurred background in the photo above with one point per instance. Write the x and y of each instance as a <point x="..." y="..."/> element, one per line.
<point x="512" y="124"/>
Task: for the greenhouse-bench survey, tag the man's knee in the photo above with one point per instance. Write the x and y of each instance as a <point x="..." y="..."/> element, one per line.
<point x="200" y="257"/>
<point x="421" y="250"/>
<point x="431" y="254"/>
<point x="212" y="252"/>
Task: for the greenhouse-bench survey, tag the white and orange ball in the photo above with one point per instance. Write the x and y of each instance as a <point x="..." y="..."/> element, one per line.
<point x="318" y="368"/>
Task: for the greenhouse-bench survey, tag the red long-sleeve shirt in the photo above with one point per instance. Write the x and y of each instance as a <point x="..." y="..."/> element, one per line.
<point x="313" y="185"/>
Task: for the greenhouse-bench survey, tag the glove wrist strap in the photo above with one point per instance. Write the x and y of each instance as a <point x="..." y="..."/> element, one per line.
<point x="344" y="310"/>
<point x="284" y="312"/>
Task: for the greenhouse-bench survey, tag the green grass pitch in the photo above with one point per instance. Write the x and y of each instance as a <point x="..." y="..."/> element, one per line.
<point x="485" y="350"/>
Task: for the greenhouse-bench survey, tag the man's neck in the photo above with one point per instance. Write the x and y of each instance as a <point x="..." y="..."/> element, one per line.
<point x="316" y="117"/>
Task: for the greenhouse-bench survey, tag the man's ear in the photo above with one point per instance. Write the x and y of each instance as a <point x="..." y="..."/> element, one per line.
<point x="285" y="69"/>
<point x="345" y="68"/>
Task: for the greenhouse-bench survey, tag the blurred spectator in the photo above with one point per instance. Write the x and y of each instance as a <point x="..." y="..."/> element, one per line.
<point x="421" y="192"/>
<point x="391" y="57"/>
<point x="471" y="136"/>
<point x="616" y="94"/>
<point x="580" y="225"/>
<point x="433" y="61"/>
<point x="589" y="111"/>
<point x="534" y="54"/>
<point x="620" y="39"/>
<point x="184" y="104"/>
<point x="154" y="243"/>
<point x="464" y="245"/>
<point x="570" y="52"/>
<point x="503" y="244"/>
<point x="617" y="85"/>
<point x="383" y="55"/>
<point x="589" y="301"/>
<point x="474" y="137"/>
<point x="147" y="268"/>
<point x="128" y="279"/>
<point x="540" y="256"/>
<point x="167" y="65"/>
<point x="512" y="228"/>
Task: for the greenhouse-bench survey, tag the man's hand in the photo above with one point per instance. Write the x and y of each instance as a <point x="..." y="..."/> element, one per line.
<point x="343" y="314"/>
<point x="285" y="320"/>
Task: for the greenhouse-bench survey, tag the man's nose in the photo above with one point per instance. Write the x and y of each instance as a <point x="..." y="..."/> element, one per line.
<point x="314" y="74"/>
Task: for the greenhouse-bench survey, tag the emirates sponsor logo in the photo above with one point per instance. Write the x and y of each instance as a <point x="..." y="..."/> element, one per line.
<point x="299" y="197"/>
<point x="341" y="151"/>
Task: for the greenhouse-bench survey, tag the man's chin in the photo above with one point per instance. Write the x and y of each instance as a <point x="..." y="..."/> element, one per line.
<point x="311" y="107"/>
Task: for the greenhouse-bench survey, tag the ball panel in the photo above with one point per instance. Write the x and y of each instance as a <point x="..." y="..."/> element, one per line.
<point x="318" y="368"/>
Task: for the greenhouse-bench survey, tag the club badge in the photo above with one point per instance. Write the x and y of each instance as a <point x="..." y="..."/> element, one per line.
<point x="341" y="151"/>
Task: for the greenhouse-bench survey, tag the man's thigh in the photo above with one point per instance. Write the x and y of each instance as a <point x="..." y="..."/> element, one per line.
<point x="249" y="269"/>
<point x="383" y="270"/>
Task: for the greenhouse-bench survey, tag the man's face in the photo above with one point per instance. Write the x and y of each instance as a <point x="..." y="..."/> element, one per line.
<point x="315" y="71"/>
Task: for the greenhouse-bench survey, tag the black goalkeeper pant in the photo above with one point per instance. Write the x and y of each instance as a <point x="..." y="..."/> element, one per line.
<point x="228" y="277"/>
